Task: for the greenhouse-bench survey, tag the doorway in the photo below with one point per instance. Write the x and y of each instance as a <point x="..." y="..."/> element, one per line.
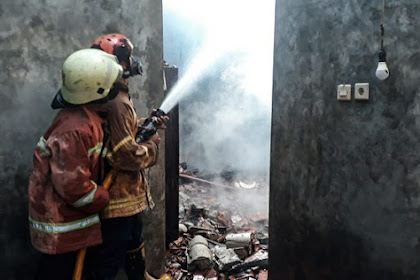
<point x="222" y="54"/>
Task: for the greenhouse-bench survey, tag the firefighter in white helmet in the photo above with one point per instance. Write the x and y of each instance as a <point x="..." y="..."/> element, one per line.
<point x="65" y="195"/>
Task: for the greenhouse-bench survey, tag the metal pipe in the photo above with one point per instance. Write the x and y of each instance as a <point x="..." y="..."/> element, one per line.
<point x="204" y="181"/>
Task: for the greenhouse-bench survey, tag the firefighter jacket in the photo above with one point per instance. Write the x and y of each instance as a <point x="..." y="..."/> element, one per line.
<point x="64" y="196"/>
<point x="129" y="193"/>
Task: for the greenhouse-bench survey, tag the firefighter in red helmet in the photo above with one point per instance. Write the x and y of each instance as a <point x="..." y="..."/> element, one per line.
<point x="129" y="193"/>
<point x="120" y="46"/>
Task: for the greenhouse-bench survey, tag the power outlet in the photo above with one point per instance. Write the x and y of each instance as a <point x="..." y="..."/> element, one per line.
<point x="361" y="91"/>
<point x="344" y="92"/>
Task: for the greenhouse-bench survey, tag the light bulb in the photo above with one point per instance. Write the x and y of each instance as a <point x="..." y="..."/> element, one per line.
<point x="382" y="71"/>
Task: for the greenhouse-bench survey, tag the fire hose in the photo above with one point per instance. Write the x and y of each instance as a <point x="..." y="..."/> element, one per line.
<point x="80" y="259"/>
<point x="144" y="133"/>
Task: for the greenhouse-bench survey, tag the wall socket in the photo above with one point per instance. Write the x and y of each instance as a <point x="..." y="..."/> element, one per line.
<point x="361" y="91"/>
<point x="344" y="92"/>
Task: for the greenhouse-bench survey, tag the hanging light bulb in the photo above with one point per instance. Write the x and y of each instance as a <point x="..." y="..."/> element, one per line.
<point x="382" y="72"/>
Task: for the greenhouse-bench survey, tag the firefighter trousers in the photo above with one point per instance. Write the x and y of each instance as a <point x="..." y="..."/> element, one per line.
<point x="120" y="235"/>
<point x="53" y="267"/>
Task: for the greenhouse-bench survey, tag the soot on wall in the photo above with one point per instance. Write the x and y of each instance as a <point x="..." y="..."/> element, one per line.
<point x="345" y="175"/>
<point x="35" y="38"/>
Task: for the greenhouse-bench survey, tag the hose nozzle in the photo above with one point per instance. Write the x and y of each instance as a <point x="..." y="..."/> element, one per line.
<point x="148" y="128"/>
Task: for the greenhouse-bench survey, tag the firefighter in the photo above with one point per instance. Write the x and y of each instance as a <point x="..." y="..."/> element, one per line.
<point x="129" y="193"/>
<point x="65" y="195"/>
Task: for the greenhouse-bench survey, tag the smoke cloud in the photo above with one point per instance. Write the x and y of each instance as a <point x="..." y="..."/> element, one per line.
<point x="224" y="52"/>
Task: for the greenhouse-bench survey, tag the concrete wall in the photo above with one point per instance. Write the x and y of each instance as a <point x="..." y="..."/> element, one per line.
<point x="345" y="176"/>
<point x="35" y="38"/>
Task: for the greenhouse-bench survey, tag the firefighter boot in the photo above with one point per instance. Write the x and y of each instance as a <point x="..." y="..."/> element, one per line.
<point x="134" y="264"/>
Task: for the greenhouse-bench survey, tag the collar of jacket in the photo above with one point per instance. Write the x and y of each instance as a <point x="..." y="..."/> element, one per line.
<point x="123" y="85"/>
<point x="101" y="109"/>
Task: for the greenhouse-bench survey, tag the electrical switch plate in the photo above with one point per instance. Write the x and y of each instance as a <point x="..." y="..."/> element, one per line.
<point x="344" y="92"/>
<point x="361" y="91"/>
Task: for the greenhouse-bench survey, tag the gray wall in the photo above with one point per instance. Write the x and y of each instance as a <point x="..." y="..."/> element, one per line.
<point x="35" y="38"/>
<point x="345" y="176"/>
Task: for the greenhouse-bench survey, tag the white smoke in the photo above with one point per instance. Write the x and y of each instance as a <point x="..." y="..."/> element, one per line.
<point x="224" y="51"/>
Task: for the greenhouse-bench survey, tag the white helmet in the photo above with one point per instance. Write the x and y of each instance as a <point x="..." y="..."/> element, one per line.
<point x="88" y="75"/>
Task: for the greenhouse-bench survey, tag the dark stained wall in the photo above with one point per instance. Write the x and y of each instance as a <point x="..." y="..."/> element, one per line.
<point x="35" y="38"/>
<point x="345" y="176"/>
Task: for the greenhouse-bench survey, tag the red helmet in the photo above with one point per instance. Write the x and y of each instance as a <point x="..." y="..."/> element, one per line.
<point x="120" y="46"/>
<point x="116" y="44"/>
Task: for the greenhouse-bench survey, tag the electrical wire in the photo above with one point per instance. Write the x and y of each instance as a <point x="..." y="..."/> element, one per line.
<point x="382" y="24"/>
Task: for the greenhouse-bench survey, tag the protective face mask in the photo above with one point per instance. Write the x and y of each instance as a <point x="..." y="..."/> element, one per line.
<point x="136" y="68"/>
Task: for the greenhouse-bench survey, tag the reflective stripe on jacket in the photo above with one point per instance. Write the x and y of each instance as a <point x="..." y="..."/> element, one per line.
<point x="64" y="200"/>
<point x="129" y="194"/>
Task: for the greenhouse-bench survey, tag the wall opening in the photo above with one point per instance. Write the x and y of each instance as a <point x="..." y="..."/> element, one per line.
<point x="223" y="53"/>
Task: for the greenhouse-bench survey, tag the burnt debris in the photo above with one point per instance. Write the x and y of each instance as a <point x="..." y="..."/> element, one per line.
<point x="222" y="235"/>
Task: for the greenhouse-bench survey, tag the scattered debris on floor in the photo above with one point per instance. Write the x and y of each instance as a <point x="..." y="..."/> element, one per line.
<point x="223" y="228"/>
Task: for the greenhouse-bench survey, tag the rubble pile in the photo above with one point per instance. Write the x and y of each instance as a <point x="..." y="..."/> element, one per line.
<point x="223" y="231"/>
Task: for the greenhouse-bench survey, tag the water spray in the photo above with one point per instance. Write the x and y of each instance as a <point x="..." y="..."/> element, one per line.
<point x="180" y="91"/>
